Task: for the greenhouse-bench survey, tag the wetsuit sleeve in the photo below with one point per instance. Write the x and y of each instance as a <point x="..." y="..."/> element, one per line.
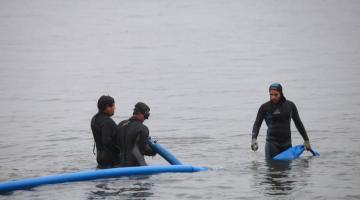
<point x="299" y="125"/>
<point x="108" y="133"/>
<point x="258" y="121"/>
<point x="143" y="143"/>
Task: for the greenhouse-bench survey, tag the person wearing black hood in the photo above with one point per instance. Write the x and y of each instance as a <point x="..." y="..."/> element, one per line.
<point x="277" y="114"/>
<point x="104" y="133"/>
<point x="132" y="138"/>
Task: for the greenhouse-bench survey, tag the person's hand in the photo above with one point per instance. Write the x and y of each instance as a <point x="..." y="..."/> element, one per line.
<point x="307" y="145"/>
<point x="254" y="144"/>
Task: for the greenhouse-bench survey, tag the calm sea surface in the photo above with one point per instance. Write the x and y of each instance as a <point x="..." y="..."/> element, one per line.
<point x="204" y="68"/>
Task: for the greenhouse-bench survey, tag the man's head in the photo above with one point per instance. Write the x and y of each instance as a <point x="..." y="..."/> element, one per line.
<point x="106" y="104"/>
<point x="276" y="94"/>
<point x="142" y="111"/>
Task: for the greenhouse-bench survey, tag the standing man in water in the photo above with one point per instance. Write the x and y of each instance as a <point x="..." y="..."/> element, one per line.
<point x="133" y="137"/>
<point x="277" y="113"/>
<point x="104" y="132"/>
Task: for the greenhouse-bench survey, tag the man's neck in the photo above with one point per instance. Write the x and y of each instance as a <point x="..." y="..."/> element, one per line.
<point x="138" y="117"/>
<point x="104" y="112"/>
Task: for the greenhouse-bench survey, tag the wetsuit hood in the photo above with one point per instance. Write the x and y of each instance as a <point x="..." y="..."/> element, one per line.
<point x="278" y="87"/>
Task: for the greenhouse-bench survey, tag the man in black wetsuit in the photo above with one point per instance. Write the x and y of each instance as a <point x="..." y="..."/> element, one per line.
<point x="277" y="113"/>
<point x="104" y="132"/>
<point x="132" y="138"/>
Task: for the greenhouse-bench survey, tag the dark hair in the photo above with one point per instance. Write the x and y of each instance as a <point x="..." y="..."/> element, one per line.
<point x="105" y="101"/>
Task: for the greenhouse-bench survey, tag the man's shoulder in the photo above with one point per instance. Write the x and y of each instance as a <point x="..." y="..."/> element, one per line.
<point x="123" y="122"/>
<point x="265" y="105"/>
<point x="141" y="126"/>
<point x="288" y="102"/>
<point x="145" y="128"/>
<point x="104" y="119"/>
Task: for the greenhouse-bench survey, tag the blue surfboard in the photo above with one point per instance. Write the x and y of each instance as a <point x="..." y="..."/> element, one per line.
<point x="163" y="152"/>
<point x="94" y="174"/>
<point x="175" y="167"/>
<point x="293" y="153"/>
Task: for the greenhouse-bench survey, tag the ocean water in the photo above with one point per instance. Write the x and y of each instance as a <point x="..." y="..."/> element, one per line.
<point x="204" y="68"/>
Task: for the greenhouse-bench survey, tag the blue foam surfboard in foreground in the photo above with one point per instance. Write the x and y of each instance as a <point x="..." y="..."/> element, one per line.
<point x="176" y="166"/>
<point x="94" y="174"/>
<point x="293" y="153"/>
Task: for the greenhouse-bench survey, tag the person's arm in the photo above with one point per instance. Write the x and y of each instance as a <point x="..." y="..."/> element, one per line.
<point x="299" y="125"/>
<point x="258" y="121"/>
<point x="144" y="147"/>
<point x="108" y="131"/>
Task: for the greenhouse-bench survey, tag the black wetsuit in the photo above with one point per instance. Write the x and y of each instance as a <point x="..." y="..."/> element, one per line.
<point x="278" y="117"/>
<point x="104" y="132"/>
<point x="132" y="137"/>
